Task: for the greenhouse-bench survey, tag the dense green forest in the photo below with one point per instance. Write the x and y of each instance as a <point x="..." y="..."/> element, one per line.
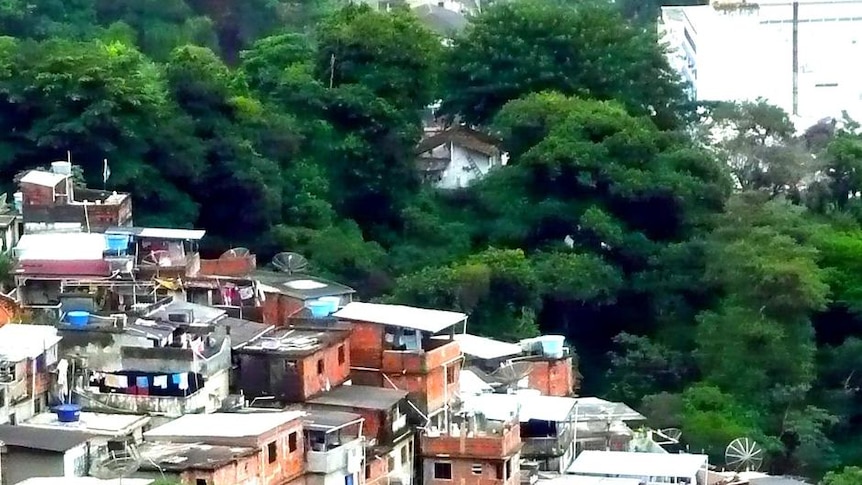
<point x="714" y="283"/>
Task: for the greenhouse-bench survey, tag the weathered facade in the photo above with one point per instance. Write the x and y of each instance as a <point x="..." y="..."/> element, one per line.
<point x="277" y="438"/>
<point x="293" y="364"/>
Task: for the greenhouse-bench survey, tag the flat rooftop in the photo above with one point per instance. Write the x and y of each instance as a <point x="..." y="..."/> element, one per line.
<point x="43" y="178"/>
<point x="627" y="464"/>
<point x="296" y="342"/>
<point x="201" y="314"/>
<point x="222" y="425"/>
<point x="19" y="341"/>
<point x="61" y="246"/>
<point x="301" y="287"/>
<point x="85" y="481"/>
<point x="484" y="348"/>
<point x="244" y="331"/>
<point x="159" y="233"/>
<point x="360" y="397"/>
<point x="422" y="319"/>
<point x="326" y="420"/>
<point x="100" y="424"/>
<point x="33" y="438"/>
<point x="179" y="457"/>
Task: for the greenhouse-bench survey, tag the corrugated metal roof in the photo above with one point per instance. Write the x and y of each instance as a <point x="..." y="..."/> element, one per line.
<point x="159" y="233"/>
<point x="422" y="319"/>
<point x="64" y="246"/>
<point x="628" y="464"/>
<point x="483" y="347"/>
<point x="45" y="179"/>
<point x="19" y="341"/>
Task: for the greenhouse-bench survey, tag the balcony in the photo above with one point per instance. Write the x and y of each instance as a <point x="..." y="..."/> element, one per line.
<point x="346" y="458"/>
<point x="480" y="444"/>
<point x="420" y="361"/>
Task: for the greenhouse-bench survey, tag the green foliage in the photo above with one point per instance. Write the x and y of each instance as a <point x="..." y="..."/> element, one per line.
<point x="851" y="475"/>
<point x="515" y="48"/>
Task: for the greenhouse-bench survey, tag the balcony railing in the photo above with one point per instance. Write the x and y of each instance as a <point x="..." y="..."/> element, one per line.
<point x="347" y="457"/>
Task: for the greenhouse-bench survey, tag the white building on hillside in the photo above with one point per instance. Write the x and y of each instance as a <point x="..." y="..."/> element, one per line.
<point x="742" y="51"/>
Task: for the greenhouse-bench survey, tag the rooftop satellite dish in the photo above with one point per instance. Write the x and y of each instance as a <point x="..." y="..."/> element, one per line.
<point x="290" y="263"/>
<point x="120" y="461"/>
<point x="668" y="436"/>
<point x="512" y="372"/>
<point x="743" y="455"/>
<point x="235" y="253"/>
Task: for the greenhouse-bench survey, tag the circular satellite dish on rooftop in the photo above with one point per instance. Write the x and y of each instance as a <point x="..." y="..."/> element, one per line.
<point x="305" y="285"/>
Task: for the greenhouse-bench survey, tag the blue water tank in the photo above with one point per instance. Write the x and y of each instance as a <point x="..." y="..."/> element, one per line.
<point x="117" y="242"/>
<point x="332" y="301"/>
<point x="319" y="309"/>
<point x="78" y="318"/>
<point x="68" y="413"/>
<point x="553" y="345"/>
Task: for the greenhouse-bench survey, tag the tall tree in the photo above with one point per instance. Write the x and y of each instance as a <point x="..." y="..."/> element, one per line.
<point x="585" y="49"/>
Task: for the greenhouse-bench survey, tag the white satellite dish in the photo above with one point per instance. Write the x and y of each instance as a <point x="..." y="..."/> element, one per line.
<point x="743" y="455"/>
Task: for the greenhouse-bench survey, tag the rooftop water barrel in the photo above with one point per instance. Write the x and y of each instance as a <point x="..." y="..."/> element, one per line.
<point x="118" y="243"/>
<point x="332" y="301"/>
<point x="68" y="413"/>
<point x="61" y="167"/>
<point x="18" y="199"/>
<point x="319" y="309"/>
<point x="78" y="318"/>
<point x="552" y="345"/>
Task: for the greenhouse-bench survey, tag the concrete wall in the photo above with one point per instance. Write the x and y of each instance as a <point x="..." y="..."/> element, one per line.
<point x="208" y="399"/>
<point x="20" y="464"/>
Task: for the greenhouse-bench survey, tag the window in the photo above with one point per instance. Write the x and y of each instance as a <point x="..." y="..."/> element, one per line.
<point x="508" y="468"/>
<point x="499" y="469"/>
<point x="477" y="469"/>
<point x="272" y="452"/>
<point x="390" y="462"/>
<point x="450" y="374"/>
<point x="320" y="366"/>
<point x="367" y="472"/>
<point x="442" y="470"/>
<point x="201" y="481"/>
<point x="290" y="365"/>
<point x="404" y="459"/>
<point x="291" y="442"/>
<point x="340" y="354"/>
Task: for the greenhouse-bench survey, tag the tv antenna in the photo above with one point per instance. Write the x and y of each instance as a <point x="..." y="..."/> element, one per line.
<point x="743" y="455"/>
<point x="290" y="263"/>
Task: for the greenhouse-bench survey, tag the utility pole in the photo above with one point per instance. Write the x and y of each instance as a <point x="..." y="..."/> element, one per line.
<point x="795" y="58"/>
<point x="331" y="71"/>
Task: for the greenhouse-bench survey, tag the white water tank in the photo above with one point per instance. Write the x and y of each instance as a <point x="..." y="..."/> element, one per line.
<point x="61" y="167"/>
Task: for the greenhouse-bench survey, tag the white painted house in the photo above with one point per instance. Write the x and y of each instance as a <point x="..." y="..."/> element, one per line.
<point x="457" y="156"/>
<point x="733" y="50"/>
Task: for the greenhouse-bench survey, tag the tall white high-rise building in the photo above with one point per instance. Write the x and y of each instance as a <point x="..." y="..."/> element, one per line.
<point x="736" y="51"/>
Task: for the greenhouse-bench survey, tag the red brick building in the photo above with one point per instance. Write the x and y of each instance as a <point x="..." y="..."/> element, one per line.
<point x="472" y="451"/>
<point x="49" y="198"/>
<point x="287" y="295"/>
<point x="292" y="364"/>
<point x="276" y="437"/>
<point x="390" y="448"/>
<point x="392" y="346"/>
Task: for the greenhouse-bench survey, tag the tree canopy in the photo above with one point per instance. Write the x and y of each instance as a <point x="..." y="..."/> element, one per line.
<point x="703" y="262"/>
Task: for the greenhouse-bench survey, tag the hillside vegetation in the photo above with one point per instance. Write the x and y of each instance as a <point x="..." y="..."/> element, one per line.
<point x="716" y="285"/>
